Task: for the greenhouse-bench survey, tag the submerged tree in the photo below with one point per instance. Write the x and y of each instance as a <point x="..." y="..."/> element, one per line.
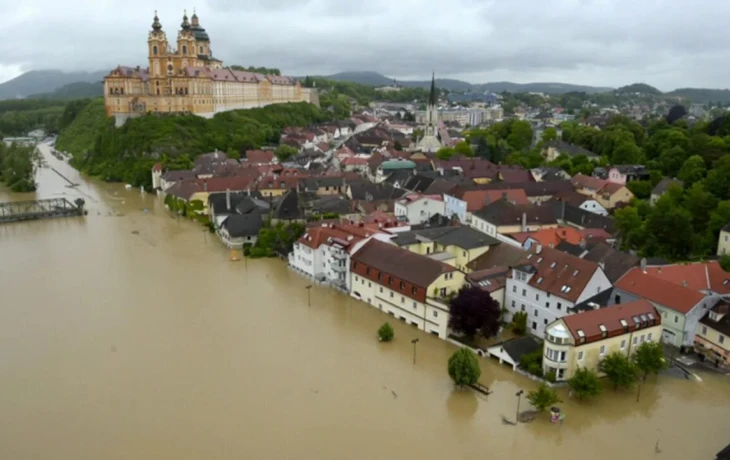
<point x="474" y="310"/>
<point x="385" y="332"/>
<point x="619" y="370"/>
<point x="585" y="382"/>
<point x="649" y="358"/>
<point x="543" y="397"/>
<point x="464" y="367"/>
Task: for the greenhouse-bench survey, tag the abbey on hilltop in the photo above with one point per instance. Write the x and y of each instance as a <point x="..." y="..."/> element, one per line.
<point x="190" y="80"/>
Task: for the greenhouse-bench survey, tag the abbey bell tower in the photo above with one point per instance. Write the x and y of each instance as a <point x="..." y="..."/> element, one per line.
<point x="157" y="48"/>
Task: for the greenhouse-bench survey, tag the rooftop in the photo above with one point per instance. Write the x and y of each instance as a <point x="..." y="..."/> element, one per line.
<point x="666" y="293"/>
<point x="401" y="263"/>
<point x="558" y="273"/>
<point x="595" y="325"/>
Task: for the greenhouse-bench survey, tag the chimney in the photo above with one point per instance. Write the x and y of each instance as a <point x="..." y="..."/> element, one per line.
<point x="524" y="221"/>
<point x="642" y="264"/>
<point x="228" y="199"/>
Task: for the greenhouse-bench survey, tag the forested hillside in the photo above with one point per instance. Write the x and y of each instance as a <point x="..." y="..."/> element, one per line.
<point x="127" y="153"/>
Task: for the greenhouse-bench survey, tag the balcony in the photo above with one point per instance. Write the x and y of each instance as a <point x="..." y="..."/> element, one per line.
<point x="340" y="268"/>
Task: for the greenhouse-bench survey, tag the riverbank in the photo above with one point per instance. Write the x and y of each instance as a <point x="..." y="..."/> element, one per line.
<point x="135" y="336"/>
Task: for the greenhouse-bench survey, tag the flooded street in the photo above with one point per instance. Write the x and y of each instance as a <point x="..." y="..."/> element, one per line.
<point x="130" y="335"/>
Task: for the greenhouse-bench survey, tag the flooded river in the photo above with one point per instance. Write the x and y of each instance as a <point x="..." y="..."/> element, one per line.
<point x="130" y="335"/>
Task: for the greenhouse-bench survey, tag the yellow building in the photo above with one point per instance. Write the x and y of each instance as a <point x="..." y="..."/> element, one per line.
<point x="582" y="340"/>
<point x="188" y="79"/>
<point x="713" y="334"/>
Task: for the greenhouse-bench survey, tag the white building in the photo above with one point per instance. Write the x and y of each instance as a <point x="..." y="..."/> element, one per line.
<point x="323" y="253"/>
<point x="417" y="208"/>
<point x="548" y="283"/>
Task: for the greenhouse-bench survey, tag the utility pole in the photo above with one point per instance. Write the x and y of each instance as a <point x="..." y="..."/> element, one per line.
<point x="309" y="294"/>
<point x="519" y="396"/>
<point x="414" y="342"/>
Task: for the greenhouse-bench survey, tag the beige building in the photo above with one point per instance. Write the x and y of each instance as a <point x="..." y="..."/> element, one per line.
<point x="408" y="286"/>
<point x="723" y="241"/>
<point x="713" y="334"/>
<point x="189" y="79"/>
<point x="584" y="339"/>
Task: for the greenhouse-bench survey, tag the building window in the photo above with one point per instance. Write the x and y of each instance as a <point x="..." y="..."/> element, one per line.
<point x="676" y="318"/>
<point x="722" y="339"/>
<point x="636" y="339"/>
<point x="402" y="299"/>
<point x="536" y="312"/>
<point x="704" y="330"/>
<point x="414" y="305"/>
<point x="580" y="356"/>
<point x="369" y="284"/>
<point x="185" y="50"/>
<point x="547" y="304"/>
<point x="537" y="296"/>
<point x="413" y="290"/>
<point x="544" y="321"/>
<point x="523" y="307"/>
<point x="367" y="271"/>
<point x="402" y="285"/>
<point x="514" y="288"/>
<point x="381" y="289"/>
<point x="623" y="344"/>
<point x="390" y="280"/>
<point x="354" y="265"/>
<point x="391" y="294"/>
<point x="602" y="351"/>
<point x="641" y="339"/>
<point x="513" y="303"/>
<point x="648" y="337"/>
<point x="154" y="50"/>
<point x="524" y="293"/>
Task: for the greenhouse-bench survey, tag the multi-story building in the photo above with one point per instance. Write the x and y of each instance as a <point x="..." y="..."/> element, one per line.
<point x="323" y="253"/>
<point x="406" y="285"/>
<point x="584" y="339"/>
<point x="683" y="294"/>
<point x="190" y="80"/>
<point x="504" y="217"/>
<point x="547" y="284"/>
<point x="417" y="208"/>
<point x="723" y="241"/>
<point x="713" y="334"/>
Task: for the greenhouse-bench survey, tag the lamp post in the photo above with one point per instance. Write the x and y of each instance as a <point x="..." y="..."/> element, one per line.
<point x="414" y="342"/>
<point x="519" y="396"/>
<point x="309" y="294"/>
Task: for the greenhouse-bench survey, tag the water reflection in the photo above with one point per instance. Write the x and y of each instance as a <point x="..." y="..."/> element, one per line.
<point x="462" y="404"/>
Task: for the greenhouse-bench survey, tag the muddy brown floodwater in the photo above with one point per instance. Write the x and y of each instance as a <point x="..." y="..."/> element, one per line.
<point x="130" y="335"/>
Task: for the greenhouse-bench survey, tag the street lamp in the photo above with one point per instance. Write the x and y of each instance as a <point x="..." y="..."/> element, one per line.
<point x="309" y="296"/>
<point x="519" y="396"/>
<point x="414" y="342"/>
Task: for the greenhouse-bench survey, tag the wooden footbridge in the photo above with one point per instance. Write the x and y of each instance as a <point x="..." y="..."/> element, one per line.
<point x="17" y="211"/>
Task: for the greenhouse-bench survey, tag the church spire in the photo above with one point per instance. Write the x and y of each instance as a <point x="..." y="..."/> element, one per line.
<point x="432" y="96"/>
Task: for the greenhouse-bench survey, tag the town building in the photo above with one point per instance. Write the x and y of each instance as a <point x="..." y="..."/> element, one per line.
<point x="582" y="340"/>
<point x="416" y="208"/>
<point x="555" y="149"/>
<point x="683" y="294"/>
<point x="582" y="201"/>
<point x="723" y="241"/>
<point x="713" y="335"/>
<point x="189" y="79"/>
<point x="406" y="285"/>
<point x="547" y="284"/>
<point x="503" y="217"/>
<point x="512" y="350"/>
<point x="621" y="174"/>
<point x="608" y="193"/>
<point x="323" y="253"/>
<point x="491" y="280"/>
<point x="463" y="203"/>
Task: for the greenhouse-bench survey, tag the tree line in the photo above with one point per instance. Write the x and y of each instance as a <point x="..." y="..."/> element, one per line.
<point x="18" y="166"/>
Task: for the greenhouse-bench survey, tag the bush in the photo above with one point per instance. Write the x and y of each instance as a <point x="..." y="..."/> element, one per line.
<point x="464" y="367"/>
<point x="550" y="377"/>
<point x="532" y="362"/>
<point x="386" y="333"/>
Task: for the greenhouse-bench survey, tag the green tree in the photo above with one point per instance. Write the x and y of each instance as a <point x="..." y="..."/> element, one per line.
<point x="666" y="224"/>
<point x="640" y="188"/>
<point x="619" y="370"/>
<point x="464" y="148"/>
<point x="519" y="322"/>
<point x="672" y="159"/>
<point x="585" y="382"/>
<point x="284" y="152"/>
<point x="520" y="136"/>
<point x="649" y="358"/>
<point x="627" y="153"/>
<point x="630" y="226"/>
<point x="718" y="179"/>
<point x="543" y="397"/>
<point x="464" y="367"/>
<point x="700" y="203"/>
<point x="693" y="170"/>
<point x="398" y="146"/>
<point x="444" y="153"/>
<point x="550" y="134"/>
<point x="385" y="332"/>
<point x="725" y="262"/>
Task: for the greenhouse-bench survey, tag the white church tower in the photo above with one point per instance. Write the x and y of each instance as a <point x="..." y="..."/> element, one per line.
<point x="430" y="141"/>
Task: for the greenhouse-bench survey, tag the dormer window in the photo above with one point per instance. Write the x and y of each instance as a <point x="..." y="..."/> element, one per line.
<point x="637" y="323"/>
<point x="624" y="325"/>
<point x="581" y="336"/>
<point x="539" y="259"/>
<point x="651" y="318"/>
<point x="575" y="273"/>
<point x="604" y="331"/>
<point x="529" y="256"/>
<point x="553" y="265"/>
<point x="539" y="280"/>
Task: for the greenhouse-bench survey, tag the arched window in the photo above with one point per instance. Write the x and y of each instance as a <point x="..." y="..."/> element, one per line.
<point x="201" y="50"/>
<point x="154" y="50"/>
<point x="185" y="49"/>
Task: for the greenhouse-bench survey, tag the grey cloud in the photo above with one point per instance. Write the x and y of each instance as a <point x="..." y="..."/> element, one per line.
<point x="601" y="42"/>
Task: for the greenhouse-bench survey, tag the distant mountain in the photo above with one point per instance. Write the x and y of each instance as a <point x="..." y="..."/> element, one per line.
<point x="76" y="90"/>
<point x="701" y="95"/>
<point x="641" y="88"/>
<point x="377" y="79"/>
<point x="44" y="81"/>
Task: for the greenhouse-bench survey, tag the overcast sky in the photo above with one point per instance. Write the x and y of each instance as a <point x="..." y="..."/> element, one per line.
<point x="666" y="43"/>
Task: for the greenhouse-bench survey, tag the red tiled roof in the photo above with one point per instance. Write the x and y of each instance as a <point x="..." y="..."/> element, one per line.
<point x="260" y="156"/>
<point x="610" y="317"/>
<point x="700" y="276"/>
<point x="583" y="181"/>
<point x="157" y="167"/>
<point x="353" y="161"/>
<point x="666" y="293"/>
<point x="556" y="271"/>
<point x="551" y="237"/>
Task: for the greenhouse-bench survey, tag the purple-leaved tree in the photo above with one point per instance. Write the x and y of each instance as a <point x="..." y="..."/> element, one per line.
<point x="474" y="310"/>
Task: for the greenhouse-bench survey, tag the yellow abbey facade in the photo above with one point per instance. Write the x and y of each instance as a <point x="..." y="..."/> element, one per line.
<point x="190" y="80"/>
